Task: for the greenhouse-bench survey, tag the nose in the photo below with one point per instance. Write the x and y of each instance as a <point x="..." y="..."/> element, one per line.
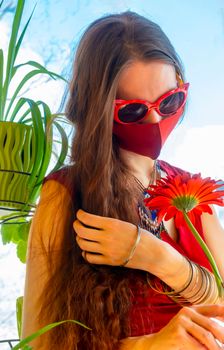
<point x="152" y="117"/>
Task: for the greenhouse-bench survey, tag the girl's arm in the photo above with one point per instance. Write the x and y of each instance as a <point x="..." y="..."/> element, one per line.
<point x="52" y="216"/>
<point x="113" y="241"/>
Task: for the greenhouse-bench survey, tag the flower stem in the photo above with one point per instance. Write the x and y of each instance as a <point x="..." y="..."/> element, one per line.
<point x="207" y="252"/>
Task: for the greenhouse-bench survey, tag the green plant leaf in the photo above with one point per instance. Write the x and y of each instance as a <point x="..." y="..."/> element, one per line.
<point x="15" y="231"/>
<point x="20" y="103"/>
<point x="41" y="68"/>
<point x="15" y="215"/>
<point x="26" y="78"/>
<point x="23" y="230"/>
<point x="1" y="82"/>
<point x="48" y="142"/>
<point x="38" y="148"/>
<point x="19" y="42"/>
<point x="7" y="233"/>
<point x="21" y="251"/>
<point x="19" y="308"/>
<point x="39" y="136"/>
<point x="44" y="330"/>
<point x="64" y="147"/>
<point x="12" y="50"/>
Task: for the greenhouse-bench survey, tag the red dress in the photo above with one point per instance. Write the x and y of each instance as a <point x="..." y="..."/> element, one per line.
<point x="151" y="311"/>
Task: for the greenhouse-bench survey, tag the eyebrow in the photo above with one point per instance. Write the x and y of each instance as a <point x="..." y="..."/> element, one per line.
<point x="145" y="99"/>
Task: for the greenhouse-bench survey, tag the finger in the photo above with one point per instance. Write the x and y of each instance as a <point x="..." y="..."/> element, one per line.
<point x="193" y="343"/>
<point x="89" y="246"/>
<point x="85" y="232"/>
<point x="216" y="310"/>
<point x="203" y="335"/>
<point x="207" y="323"/>
<point x="97" y="259"/>
<point x="92" y="220"/>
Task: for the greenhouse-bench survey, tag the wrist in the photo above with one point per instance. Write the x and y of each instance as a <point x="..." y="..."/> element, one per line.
<point x="173" y="264"/>
<point x="163" y="261"/>
<point x="151" y="253"/>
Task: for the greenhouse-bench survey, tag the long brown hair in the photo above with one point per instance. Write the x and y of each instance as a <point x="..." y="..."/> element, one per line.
<point x="99" y="296"/>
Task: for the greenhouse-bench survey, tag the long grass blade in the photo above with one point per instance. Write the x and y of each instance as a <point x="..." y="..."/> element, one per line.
<point x="27" y="77"/>
<point x="1" y="82"/>
<point x="1" y="3"/>
<point x="19" y="306"/>
<point x="40" y="67"/>
<point x="42" y="331"/>
<point x="48" y="143"/>
<point x="12" y="50"/>
<point x="64" y="147"/>
<point x="23" y="118"/>
<point x="20" y="103"/>
<point x="19" y="42"/>
<point x="39" y="149"/>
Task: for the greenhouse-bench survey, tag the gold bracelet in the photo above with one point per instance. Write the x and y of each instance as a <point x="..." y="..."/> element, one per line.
<point x="134" y="246"/>
<point x="206" y="292"/>
<point x="192" y="292"/>
<point x="202" y="292"/>
<point x="194" y="283"/>
<point x="211" y="295"/>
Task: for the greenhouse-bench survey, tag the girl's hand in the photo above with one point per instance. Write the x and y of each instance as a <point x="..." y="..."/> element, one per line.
<point x="191" y="329"/>
<point x="109" y="241"/>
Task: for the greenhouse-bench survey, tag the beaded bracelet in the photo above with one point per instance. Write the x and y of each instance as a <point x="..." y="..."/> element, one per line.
<point x="134" y="246"/>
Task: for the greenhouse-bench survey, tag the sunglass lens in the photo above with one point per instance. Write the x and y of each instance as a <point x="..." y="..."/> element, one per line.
<point x="132" y="112"/>
<point x="172" y="103"/>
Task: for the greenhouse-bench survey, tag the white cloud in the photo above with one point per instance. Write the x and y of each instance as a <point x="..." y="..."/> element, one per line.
<point x="197" y="150"/>
<point x="4" y="30"/>
<point x="50" y="92"/>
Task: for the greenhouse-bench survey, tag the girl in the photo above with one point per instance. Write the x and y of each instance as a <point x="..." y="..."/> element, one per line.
<point x="95" y="251"/>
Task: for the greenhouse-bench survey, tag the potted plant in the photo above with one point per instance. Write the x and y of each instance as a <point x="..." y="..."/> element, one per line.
<point x="26" y="140"/>
<point x="26" y="149"/>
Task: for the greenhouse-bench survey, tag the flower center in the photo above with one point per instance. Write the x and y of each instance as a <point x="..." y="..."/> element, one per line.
<point x="185" y="203"/>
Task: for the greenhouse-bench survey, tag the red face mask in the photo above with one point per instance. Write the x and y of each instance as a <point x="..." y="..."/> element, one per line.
<point x="148" y="139"/>
<point x="145" y="139"/>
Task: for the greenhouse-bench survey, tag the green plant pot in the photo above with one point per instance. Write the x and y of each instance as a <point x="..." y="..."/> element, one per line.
<point x="17" y="158"/>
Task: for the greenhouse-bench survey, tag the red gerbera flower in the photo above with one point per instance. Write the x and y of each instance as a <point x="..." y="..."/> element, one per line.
<point x="184" y="196"/>
<point x="180" y="193"/>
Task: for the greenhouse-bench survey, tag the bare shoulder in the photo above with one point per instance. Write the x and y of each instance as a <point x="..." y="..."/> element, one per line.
<point x="52" y="191"/>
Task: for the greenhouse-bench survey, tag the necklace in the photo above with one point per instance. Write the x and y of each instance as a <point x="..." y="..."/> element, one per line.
<point x="148" y="218"/>
<point x="153" y="177"/>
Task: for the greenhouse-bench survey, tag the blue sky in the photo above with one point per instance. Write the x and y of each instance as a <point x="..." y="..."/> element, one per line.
<point x="196" y="29"/>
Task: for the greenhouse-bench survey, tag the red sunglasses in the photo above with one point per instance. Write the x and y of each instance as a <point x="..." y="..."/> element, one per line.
<point x="133" y="111"/>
